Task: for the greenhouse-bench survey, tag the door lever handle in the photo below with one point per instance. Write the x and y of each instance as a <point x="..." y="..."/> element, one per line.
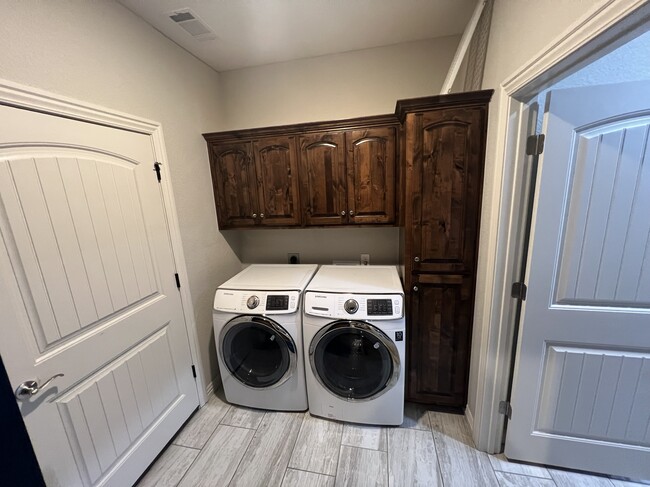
<point x="30" y="387"/>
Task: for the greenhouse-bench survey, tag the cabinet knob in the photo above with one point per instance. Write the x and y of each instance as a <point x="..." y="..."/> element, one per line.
<point x="415" y="289"/>
<point x="261" y="215"/>
<point x="416" y="259"/>
<point x="254" y="215"/>
<point x="351" y="212"/>
<point x="343" y="213"/>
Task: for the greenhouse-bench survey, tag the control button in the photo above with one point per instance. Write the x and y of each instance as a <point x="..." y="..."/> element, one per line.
<point x="252" y="302"/>
<point x="351" y="306"/>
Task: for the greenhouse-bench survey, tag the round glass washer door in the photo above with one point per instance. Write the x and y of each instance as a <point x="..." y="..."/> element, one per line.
<point x="354" y="360"/>
<point x="257" y="351"/>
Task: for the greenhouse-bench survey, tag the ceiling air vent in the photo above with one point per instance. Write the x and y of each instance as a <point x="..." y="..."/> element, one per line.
<point x="192" y="25"/>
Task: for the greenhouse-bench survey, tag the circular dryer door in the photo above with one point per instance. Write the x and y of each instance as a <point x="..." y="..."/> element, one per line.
<point x="257" y="351"/>
<point x="354" y="360"/>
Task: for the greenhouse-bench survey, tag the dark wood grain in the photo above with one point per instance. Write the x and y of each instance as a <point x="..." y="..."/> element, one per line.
<point x="371" y="175"/>
<point x="276" y="163"/>
<point x="440" y="322"/>
<point x="323" y="178"/>
<point x="235" y="184"/>
<point x="444" y="147"/>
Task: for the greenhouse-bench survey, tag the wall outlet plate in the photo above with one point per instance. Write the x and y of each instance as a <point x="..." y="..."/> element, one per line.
<point x="365" y="259"/>
<point x="293" y="258"/>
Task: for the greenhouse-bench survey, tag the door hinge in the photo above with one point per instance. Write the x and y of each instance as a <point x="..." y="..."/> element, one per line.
<point x="506" y="409"/>
<point x="156" y="167"/>
<point x="519" y="290"/>
<point x="535" y="144"/>
<point x="178" y="280"/>
<point x="194" y="371"/>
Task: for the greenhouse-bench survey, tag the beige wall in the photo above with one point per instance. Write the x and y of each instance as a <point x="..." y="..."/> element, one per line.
<point x="352" y="84"/>
<point x="99" y="52"/>
<point x="513" y="43"/>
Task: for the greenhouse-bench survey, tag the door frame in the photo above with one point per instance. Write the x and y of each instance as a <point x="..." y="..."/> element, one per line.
<point x="601" y="30"/>
<point x="30" y="98"/>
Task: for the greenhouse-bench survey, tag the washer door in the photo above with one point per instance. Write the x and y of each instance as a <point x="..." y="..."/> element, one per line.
<point x="257" y="351"/>
<point x="354" y="360"/>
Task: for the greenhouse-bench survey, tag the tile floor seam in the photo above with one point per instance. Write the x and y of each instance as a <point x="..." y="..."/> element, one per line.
<point x="190" y="447"/>
<point x="364" y="448"/>
<point x="387" y="459"/>
<point x="435" y="449"/>
<point x="524" y="474"/>
<point x="302" y="423"/>
<point x="338" y="457"/>
<point x="244" y="455"/>
<point x="311" y="471"/>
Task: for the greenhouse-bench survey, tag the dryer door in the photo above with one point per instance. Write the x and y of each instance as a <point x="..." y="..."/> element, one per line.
<point x="354" y="360"/>
<point x="258" y="351"/>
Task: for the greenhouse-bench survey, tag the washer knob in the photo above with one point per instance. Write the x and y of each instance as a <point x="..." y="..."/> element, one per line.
<point x="252" y="302"/>
<point x="351" y="306"/>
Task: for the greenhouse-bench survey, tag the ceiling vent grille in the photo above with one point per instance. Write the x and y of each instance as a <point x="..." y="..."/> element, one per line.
<point x="191" y="24"/>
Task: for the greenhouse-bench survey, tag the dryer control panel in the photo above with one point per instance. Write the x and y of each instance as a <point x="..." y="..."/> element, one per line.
<point x="257" y="302"/>
<point x="355" y="306"/>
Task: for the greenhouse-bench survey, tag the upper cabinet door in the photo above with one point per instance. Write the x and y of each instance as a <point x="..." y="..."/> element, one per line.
<point x="322" y="178"/>
<point x="277" y="169"/>
<point x="235" y="185"/>
<point x="445" y="189"/>
<point x="371" y="175"/>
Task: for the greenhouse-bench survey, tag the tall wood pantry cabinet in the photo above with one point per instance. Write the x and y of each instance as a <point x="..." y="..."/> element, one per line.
<point x="442" y="169"/>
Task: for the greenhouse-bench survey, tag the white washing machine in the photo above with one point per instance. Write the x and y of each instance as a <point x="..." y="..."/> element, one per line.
<point x="257" y="327"/>
<point x="354" y="332"/>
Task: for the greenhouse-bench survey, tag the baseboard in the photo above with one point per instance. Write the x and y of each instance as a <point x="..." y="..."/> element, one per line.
<point x="209" y="390"/>
<point x="470" y="419"/>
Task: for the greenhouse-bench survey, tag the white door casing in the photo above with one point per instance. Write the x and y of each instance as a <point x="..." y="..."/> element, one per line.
<point x="581" y="390"/>
<point x="87" y="289"/>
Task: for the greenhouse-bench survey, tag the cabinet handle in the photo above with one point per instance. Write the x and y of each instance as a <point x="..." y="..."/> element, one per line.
<point x="351" y="212"/>
<point x="261" y="215"/>
<point x="416" y="259"/>
<point x="343" y="213"/>
<point x="254" y="215"/>
<point x="415" y="289"/>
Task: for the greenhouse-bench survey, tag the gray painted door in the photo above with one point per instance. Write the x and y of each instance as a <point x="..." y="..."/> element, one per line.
<point x="581" y="394"/>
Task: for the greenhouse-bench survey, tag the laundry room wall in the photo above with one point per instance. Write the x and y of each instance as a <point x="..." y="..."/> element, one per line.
<point x="339" y="86"/>
<point x="100" y="52"/>
<point x="519" y="31"/>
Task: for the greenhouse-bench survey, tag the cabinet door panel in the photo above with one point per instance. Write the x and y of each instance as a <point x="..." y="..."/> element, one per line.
<point x="371" y="175"/>
<point x="447" y="176"/>
<point x="322" y="178"/>
<point x="440" y="322"/>
<point x="277" y="168"/>
<point x="235" y="184"/>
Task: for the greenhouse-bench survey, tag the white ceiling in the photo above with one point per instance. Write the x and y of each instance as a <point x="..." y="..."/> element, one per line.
<point x="256" y="32"/>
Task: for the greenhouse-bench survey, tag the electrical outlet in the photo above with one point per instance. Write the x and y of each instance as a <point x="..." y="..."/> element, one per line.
<point x="365" y="259"/>
<point x="293" y="258"/>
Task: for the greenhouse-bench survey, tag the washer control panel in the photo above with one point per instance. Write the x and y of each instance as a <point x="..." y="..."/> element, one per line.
<point x="355" y="306"/>
<point x="257" y="302"/>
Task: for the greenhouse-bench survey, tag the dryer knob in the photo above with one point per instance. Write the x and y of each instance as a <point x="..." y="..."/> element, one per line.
<point x="252" y="302"/>
<point x="351" y="306"/>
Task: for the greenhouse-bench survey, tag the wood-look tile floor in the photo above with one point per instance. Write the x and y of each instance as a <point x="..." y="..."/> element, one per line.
<point x="224" y="445"/>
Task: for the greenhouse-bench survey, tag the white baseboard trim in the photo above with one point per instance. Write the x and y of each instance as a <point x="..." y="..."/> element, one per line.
<point x="470" y="419"/>
<point x="209" y="390"/>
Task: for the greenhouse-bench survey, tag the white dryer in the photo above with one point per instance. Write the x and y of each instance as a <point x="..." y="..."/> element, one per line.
<point x="257" y="327"/>
<point x="354" y="332"/>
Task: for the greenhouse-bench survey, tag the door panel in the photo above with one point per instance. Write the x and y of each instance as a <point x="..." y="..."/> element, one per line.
<point x="323" y="178"/>
<point x="235" y="184"/>
<point x="447" y="179"/>
<point x="580" y="391"/>
<point x="371" y="175"/>
<point x="87" y="283"/>
<point x="440" y="316"/>
<point x="277" y="167"/>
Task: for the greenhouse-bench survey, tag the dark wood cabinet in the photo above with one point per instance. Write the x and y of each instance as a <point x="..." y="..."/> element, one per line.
<point x="322" y="178"/>
<point x="276" y="165"/>
<point x="371" y="159"/>
<point x="318" y="174"/>
<point x="444" y="150"/>
<point x="235" y="184"/>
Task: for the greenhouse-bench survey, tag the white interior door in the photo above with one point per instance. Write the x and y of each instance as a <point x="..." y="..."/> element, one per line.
<point x="581" y="394"/>
<point x="87" y="290"/>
